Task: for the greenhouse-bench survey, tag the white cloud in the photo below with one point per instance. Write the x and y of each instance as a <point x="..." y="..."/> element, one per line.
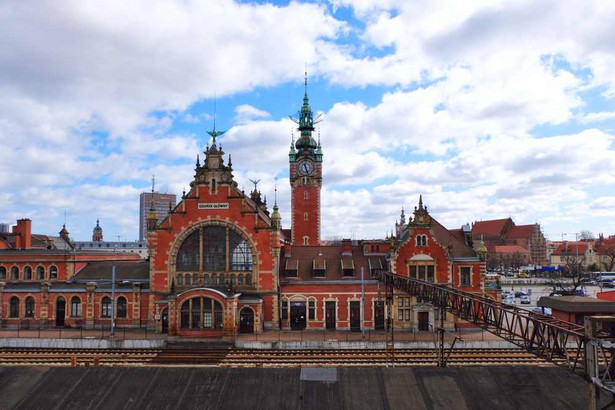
<point x="246" y="113"/>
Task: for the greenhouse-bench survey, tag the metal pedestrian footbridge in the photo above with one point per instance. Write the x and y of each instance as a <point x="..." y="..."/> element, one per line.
<point x="560" y="342"/>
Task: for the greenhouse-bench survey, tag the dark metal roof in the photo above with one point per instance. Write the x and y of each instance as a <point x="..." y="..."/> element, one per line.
<point x="577" y="304"/>
<point x="101" y="271"/>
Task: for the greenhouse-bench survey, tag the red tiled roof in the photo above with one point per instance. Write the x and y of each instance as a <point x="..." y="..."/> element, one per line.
<point x="520" y="231"/>
<point x="510" y="249"/>
<point x="492" y="227"/>
<point x="454" y="238"/>
<point x="571" y="248"/>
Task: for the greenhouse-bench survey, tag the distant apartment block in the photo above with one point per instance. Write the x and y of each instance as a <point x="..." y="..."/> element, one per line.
<point x="161" y="202"/>
<point x="5" y="228"/>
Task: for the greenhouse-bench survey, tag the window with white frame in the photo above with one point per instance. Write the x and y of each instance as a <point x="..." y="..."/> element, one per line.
<point x="465" y="276"/>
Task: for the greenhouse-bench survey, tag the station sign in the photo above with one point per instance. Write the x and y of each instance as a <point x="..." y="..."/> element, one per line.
<point x="214" y="205"/>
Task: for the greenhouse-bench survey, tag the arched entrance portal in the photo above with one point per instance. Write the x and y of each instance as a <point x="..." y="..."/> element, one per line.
<point x="246" y="320"/>
<point x="60" y="311"/>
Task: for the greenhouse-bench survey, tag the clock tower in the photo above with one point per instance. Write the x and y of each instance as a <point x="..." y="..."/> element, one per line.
<point x="305" y="160"/>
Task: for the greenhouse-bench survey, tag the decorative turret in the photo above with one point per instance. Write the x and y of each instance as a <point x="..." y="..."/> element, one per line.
<point x="276" y="218"/>
<point x="213" y="172"/>
<point x="292" y="155"/>
<point x="319" y="149"/>
<point x="64" y="233"/>
<point x="152" y="219"/>
<point x="421" y="215"/>
<point x="97" y="232"/>
<point x="482" y="249"/>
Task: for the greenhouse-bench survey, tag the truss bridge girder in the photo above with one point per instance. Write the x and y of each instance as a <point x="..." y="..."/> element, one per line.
<point x="555" y="340"/>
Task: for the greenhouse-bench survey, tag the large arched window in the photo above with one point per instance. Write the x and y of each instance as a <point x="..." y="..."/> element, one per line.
<point x="27" y="273"/>
<point x="14" y="307"/>
<point x="214" y="249"/>
<point x="121" y="307"/>
<point x="14" y="273"/>
<point x="105" y="307"/>
<point x="75" y="307"/>
<point x="40" y="273"/>
<point x="188" y="255"/>
<point x="2" y="272"/>
<point x="30" y="304"/>
<point x="201" y="313"/>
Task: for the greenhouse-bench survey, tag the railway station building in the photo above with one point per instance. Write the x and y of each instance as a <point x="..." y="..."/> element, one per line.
<point x="220" y="263"/>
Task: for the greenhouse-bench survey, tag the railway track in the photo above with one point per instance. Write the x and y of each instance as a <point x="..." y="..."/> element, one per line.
<point x="225" y="357"/>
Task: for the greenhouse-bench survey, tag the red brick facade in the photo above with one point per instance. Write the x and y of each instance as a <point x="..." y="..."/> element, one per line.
<point x="219" y="264"/>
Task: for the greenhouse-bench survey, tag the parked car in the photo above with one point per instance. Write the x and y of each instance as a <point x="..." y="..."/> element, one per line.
<point x="525" y="300"/>
<point x="519" y="293"/>
<point x="509" y="300"/>
<point x="539" y="310"/>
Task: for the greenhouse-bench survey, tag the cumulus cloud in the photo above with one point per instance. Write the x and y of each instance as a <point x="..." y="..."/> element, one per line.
<point x="96" y="100"/>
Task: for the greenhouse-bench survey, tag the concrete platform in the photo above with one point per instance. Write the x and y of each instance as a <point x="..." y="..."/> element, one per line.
<point x="344" y="388"/>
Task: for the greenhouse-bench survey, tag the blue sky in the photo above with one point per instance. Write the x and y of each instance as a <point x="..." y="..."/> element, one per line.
<point x="488" y="109"/>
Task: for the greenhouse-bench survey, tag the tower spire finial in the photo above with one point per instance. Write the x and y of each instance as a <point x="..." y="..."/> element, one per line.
<point x="215" y="133"/>
<point x="153" y="182"/>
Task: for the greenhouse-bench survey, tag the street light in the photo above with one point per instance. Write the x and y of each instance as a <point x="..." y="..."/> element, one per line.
<point x="112" y="300"/>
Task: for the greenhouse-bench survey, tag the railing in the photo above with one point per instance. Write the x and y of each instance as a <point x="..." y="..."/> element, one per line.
<point x="552" y="339"/>
<point x="32" y="328"/>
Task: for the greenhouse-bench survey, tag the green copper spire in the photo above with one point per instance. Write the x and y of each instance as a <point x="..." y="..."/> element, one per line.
<point x="292" y="155"/>
<point x="319" y="149"/>
<point x="306" y="123"/>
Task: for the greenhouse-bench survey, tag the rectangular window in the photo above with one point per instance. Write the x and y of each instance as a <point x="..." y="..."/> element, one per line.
<point x="400" y="302"/>
<point x="312" y="310"/>
<point x="413" y="272"/>
<point x="431" y="273"/>
<point x="407" y="315"/>
<point x="466" y="276"/>
<point x="207" y="320"/>
<point x="284" y="311"/>
<point x="400" y="314"/>
<point x="422" y="272"/>
<point x="319" y="273"/>
<point x="407" y="302"/>
<point x="291" y="273"/>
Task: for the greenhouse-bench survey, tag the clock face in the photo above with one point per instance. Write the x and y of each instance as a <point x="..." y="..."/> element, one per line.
<point x="306" y="168"/>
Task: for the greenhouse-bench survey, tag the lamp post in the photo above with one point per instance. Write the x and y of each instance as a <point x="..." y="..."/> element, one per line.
<point x="113" y="300"/>
<point x="362" y="303"/>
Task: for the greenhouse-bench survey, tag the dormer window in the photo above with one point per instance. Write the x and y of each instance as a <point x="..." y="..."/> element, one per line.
<point x="347" y="265"/>
<point x="319" y="266"/>
<point x="292" y="268"/>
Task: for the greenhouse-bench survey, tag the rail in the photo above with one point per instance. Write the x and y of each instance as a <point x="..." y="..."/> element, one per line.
<point x="555" y="340"/>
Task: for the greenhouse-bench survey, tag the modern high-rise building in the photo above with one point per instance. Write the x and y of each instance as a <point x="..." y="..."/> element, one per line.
<point x="5" y="228"/>
<point x="161" y="202"/>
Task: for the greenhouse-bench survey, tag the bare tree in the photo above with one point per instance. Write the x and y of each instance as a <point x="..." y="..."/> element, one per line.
<point x="609" y="258"/>
<point x="586" y="235"/>
<point x="571" y="278"/>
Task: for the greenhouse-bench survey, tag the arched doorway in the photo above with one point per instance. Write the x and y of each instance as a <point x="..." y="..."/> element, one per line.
<point x="60" y="311"/>
<point x="165" y="320"/>
<point x="246" y="320"/>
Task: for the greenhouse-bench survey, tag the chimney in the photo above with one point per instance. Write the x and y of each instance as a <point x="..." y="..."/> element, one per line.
<point x="23" y="234"/>
<point x="346" y="247"/>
